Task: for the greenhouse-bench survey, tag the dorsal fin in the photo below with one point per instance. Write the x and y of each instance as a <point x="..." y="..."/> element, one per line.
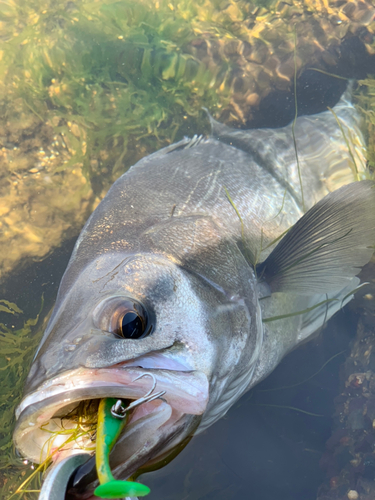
<point x="184" y="143"/>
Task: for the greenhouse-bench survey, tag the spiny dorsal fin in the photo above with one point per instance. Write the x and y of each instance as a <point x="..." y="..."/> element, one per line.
<point x="185" y="143"/>
<point x="327" y="246"/>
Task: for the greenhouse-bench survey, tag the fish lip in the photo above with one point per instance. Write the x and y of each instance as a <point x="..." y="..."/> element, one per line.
<point x="186" y="392"/>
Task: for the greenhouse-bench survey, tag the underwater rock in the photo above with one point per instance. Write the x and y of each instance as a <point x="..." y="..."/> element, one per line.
<point x="42" y="203"/>
<point x="349" y="461"/>
<point x="258" y="50"/>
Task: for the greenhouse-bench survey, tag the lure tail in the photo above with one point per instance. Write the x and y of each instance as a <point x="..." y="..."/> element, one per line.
<point x="108" y="431"/>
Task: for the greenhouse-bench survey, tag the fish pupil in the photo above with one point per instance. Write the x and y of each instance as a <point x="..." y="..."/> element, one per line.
<point x="132" y="326"/>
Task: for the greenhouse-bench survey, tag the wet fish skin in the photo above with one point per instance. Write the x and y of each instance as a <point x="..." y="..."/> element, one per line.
<point x="185" y="232"/>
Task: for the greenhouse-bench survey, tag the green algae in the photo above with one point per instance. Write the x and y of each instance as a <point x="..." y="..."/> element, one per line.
<point x="17" y="347"/>
<point x="84" y="417"/>
<point x="9" y="307"/>
<point x="114" y="72"/>
<point x="125" y="78"/>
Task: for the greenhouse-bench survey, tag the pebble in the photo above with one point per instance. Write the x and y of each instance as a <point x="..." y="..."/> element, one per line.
<point x="353" y="495"/>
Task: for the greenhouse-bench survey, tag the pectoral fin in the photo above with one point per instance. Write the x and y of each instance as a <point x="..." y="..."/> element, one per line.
<point x="328" y="246"/>
<point x="330" y="304"/>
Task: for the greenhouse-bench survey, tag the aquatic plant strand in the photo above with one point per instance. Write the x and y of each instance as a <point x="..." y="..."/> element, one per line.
<point x="108" y="431"/>
<point x="73" y="436"/>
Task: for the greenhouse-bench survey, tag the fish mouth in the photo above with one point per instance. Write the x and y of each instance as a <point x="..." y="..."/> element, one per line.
<point x="154" y="430"/>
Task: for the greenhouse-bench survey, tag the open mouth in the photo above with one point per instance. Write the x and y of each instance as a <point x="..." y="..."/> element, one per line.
<point x="59" y="418"/>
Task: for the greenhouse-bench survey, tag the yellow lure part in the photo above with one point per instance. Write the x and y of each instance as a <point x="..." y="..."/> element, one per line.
<point x="108" y="430"/>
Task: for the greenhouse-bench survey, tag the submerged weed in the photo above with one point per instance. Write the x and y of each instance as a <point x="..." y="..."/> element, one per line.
<point x="108" y="75"/>
<point x="83" y="423"/>
<point x="81" y="433"/>
<point x="17" y="348"/>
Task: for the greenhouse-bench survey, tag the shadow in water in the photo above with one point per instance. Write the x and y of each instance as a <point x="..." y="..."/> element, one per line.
<point x="261" y="451"/>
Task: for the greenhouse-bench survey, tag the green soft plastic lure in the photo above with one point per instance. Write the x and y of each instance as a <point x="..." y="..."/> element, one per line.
<point x="108" y="430"/>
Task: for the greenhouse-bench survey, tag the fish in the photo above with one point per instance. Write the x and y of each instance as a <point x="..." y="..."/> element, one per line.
<point x="203" y="266"/>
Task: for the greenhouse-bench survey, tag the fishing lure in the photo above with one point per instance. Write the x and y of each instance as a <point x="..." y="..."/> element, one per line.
<point x="112" y="418"/>
<point x="108" y="431"/>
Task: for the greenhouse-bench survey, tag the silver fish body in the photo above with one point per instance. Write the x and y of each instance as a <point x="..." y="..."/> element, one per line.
<point x="185" y="242"/>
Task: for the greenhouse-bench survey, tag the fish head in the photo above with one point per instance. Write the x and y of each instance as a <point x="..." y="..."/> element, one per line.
<point x="117" y="319"/>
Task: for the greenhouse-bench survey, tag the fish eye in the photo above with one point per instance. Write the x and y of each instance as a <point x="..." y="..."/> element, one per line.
<point x="130" y="321"/>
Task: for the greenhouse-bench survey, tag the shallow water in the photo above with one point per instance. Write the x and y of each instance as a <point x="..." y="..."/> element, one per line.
<point x="266" y="447"/>
<point x="88" y="88"/>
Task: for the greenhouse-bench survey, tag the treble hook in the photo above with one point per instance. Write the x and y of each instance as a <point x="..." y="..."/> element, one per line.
<point x="118" y="411"/>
